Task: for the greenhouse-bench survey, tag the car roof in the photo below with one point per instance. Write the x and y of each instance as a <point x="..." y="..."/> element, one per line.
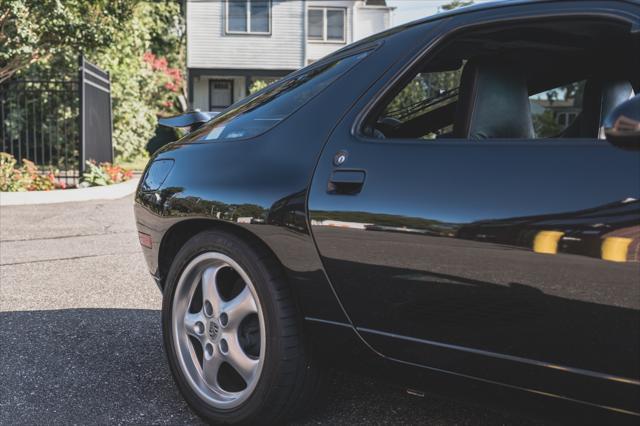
<point x="478" y="7"/>
<point x="441" y="15"/>
<point x="489" y="5"/>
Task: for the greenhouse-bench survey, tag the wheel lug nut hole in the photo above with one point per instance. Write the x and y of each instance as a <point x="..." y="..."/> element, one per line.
<point x="199" y="327"/>
<point x="208" y="309"/>
<point x="224" y="346"/>
<point x="224" y="319"/>
<point x="209" y="349"/>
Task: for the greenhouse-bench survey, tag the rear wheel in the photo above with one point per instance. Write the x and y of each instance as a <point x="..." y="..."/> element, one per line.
<point x="232" y="333"/>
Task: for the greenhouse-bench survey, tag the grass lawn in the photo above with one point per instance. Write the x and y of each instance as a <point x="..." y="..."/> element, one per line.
<point x="136" y="165"/>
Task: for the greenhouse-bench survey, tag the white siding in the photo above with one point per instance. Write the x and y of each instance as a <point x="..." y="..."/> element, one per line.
<point x="371" y="20"/>
<point x="208" y="46"/>
<point x="319" y="49"/>
<point x="286" y="48"/>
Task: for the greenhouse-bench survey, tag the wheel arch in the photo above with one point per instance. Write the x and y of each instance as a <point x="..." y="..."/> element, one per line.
<point x="179" y="233"/>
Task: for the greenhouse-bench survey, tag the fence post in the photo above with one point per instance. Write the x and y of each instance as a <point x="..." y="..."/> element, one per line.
<point x="81" y="150"/>
<point x="96" y="117"/>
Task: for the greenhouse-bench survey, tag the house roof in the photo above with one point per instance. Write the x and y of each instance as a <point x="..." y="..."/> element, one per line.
<point x="376" y="2"/>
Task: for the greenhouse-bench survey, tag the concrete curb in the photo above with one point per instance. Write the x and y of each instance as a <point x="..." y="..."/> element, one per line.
<point x="111" y="192"/>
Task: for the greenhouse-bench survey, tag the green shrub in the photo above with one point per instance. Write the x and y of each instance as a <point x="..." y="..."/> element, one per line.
<point x="140" y="44"/>
<point x="104" y="174"/>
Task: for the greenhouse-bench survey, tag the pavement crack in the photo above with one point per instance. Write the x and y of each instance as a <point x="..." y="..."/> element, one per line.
<point x="62" y="237"/>
<point x="69" y="258"/>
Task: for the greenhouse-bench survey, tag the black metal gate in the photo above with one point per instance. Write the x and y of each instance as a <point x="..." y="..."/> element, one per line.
<point x="95" y="114"/>
<point x="58" y="123"/>
<point x="39" y="122"/>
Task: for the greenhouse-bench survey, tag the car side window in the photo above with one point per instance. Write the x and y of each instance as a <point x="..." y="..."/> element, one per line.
<point x="513" y="82"/>
<point x="426" y="92"/>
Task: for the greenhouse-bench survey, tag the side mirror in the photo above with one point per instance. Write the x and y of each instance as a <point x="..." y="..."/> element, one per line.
<point x="622" y="125"/>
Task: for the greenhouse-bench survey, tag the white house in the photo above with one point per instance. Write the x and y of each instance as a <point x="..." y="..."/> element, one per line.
<point x="232" y="43"/>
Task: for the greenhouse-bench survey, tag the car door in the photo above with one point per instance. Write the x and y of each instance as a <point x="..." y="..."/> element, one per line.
<point x="493" y="260"/>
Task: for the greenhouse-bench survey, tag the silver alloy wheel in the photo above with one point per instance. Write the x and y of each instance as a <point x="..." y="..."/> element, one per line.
<point x="216" y="327"/>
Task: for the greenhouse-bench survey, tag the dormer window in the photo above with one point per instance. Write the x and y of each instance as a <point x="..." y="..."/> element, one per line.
<point x="248" y="17"/>
<point x="326" y="24"/>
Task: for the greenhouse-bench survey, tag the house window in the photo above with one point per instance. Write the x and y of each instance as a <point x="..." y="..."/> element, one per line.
<point x="326" y="24"/>
<point x="249" y="16"/>
<point x="220" y="94"/>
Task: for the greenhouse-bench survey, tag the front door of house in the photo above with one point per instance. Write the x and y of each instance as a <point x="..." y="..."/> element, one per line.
<point x="220" y="94"/>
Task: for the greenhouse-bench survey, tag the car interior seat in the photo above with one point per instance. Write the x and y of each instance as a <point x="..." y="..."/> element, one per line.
<point x="493" y="101"/>
<point x="601" y="96"/>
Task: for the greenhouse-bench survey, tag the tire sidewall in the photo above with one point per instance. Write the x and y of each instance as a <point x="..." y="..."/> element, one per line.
<point x="242" y="253"/>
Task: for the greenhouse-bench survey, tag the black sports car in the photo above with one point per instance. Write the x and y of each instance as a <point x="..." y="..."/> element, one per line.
<point x="453" y="204"/>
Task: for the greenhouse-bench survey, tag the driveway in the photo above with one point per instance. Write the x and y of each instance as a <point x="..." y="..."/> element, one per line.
<point x="80" y="333"/>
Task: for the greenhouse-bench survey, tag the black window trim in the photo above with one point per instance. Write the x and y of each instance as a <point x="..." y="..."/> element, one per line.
<point x="248" y="18"/>
<point x="452" y="30"/>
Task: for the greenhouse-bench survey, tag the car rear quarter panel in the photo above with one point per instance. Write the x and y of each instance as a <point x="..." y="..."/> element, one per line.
<point x="259" y="187"/>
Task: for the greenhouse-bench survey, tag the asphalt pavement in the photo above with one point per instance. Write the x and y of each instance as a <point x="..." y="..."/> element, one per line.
<point x="80" y="335"/>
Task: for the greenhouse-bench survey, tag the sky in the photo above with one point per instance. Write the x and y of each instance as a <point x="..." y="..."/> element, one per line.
<point x="410" y="10"/>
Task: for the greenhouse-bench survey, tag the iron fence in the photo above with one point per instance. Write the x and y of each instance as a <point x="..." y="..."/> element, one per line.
<point x="39" y="122"/>
<point x="58" y="123"/>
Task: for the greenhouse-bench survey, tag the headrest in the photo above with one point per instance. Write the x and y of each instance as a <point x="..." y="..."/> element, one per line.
<point x="493" y="101"/>
<point x="601" y="96"/>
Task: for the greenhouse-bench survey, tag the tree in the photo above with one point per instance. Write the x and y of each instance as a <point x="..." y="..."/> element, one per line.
<point x="425" y="86"/>
<point x="32" y="31"/>
<point x="140" y="43"/>
<point x="145" y="84"/>
<point x="456" y="4"/>
<point x="545" y="125"/>
<point x="257" y="85"/>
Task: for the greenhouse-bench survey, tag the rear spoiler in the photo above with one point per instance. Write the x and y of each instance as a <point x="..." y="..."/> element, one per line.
<point x="192" y="120"/>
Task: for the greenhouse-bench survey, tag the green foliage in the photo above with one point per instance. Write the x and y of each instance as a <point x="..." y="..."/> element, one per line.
<point x="423" y="86"/>
<point x="248" y="210"/>
<point x="426" y="85"/>
<point x="257" y="86"/>
<point x="456" y="4"/>
<point x="545" y="124"/>
<point x="572" y="91"/>
<point x="9" y="179"/>
<point x="411" y="94"/>
<point x="94" y="176"/>
<point x="138" y="164"/>
<point x="104" y="174"/>
<point x="36" y="30"/>
<point x="143" y="84"/>
<point x="140" y="43"/>
<point x="14" y="178"/>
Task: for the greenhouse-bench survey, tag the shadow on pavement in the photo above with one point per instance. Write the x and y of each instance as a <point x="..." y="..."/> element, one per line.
<point x="107" y="366"/>
<point x="86" y="366"/>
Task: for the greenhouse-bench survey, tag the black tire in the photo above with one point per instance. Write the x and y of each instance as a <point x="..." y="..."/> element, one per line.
<point x="290" y="377"/>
